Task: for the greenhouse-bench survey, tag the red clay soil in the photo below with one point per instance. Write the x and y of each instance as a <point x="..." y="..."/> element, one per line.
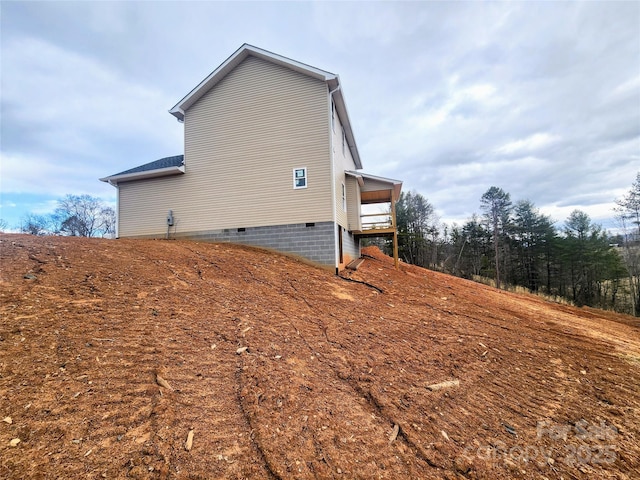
<point x="385" y="374"/>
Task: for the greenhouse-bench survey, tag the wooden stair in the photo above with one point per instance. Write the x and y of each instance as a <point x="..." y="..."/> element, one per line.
<point x="355" y="264"/>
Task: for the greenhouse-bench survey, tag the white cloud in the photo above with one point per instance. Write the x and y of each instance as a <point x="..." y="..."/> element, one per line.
<point x="65" y="101"/>
<point x="379" y="23"/>
<point x="69" y="120"/>
<point x="44" y="208"/>
<point x="477" y="96"/>
<point x="28" y="173"/>
<point x="531" y="143"/>
<point x="626" y="87"/>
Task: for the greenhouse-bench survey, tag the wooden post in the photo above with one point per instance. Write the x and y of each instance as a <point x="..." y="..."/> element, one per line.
<point x="395" y="229"/>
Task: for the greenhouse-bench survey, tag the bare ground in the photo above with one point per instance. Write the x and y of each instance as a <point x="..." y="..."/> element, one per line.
<point x="337" y="380"/>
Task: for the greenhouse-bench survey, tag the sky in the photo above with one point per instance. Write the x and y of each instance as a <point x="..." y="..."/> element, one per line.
<point x="541" y="99"/>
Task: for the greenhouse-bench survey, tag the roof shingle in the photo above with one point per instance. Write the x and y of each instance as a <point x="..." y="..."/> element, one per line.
<point x="165" y="162"/>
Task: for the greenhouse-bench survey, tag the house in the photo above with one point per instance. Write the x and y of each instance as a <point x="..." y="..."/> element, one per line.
<point x="270" y="160"/>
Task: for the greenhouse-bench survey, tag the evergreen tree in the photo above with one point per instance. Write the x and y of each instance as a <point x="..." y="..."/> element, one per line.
<point x="415" y="219"/>
<point x="497" y="206"/>
<point x="590" y="261"/>
<point x="531" y="231"/>
<point x="474" y="248"/>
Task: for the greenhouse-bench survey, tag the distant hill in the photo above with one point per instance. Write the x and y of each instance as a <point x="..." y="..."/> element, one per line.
<point x="112" y="351"/>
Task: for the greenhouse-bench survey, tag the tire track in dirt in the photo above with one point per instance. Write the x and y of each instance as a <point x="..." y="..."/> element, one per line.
<point x="329" y="364"/>
<point x="125" y="374"/>
<point x="555" y="391"/>
<point x="346" y="371"/>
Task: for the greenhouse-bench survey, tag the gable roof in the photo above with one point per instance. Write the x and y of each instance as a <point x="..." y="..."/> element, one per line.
<point x="158" y="168"/>
<point x="331" y="79"/>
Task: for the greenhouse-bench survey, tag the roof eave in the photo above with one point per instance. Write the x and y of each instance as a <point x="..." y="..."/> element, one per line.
<point x="159" y="172"/>
<point x="178" y="113"/>
<point x="373" y="177"/>
<point x="341" y="107"/>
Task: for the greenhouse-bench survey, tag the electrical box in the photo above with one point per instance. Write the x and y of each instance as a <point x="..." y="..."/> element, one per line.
<point x="170" y="218"/>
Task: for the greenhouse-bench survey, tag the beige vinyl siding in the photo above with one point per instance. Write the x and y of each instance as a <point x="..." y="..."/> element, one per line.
<point x="353" y="203"/>
<point x="342" y="161"/>
<point x="243" y="139"/>
<point x="144" y="204"/>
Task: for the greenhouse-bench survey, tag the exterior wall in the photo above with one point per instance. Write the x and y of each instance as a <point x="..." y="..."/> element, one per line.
<point x="143" y="205"/>
<point x="350" y="247"/>
<point x="342" y="160"/>
<point x="316" y="242"/>
<point x="353" y="204"/>
<point x="242" y="141"/>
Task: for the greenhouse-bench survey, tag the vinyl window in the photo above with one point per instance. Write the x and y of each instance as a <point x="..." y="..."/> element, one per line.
<point x="300" y="177"/>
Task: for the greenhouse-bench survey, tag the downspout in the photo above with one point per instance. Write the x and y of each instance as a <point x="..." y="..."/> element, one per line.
<point x="115" y="184"/>
<point x="333" y="180"/>
<point x="117" y="211"/>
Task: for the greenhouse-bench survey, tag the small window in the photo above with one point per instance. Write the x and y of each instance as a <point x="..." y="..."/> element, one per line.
<point x="344" y="142"/>
<point x="344" y="198"/>
<point x="300" y="177"/>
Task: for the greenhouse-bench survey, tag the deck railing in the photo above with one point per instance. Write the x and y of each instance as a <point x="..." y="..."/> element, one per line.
<point x="378" y="221"/>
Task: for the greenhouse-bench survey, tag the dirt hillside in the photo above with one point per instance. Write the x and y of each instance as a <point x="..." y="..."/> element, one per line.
<point x="111" y="352"/>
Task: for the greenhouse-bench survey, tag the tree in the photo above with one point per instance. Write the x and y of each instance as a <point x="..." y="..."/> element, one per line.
<point x="35" y="224"/>
<point x="577" y="229"/>
<point x="472" y="259"/>
<point x="628" y="207"/>
<point x="108" y="221"/>
<point x="496" y="204"/>
<point x="594" y="267"/>
<point x="415" y="219"/>
<point x="628" y="212"/>
<point x="83" y="216"/>
<point x="549" y="252"/>
<point x="3" y="224"/>
<point x="531" y="232"/>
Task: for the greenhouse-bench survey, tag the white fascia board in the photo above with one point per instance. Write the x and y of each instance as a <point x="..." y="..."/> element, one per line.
<point x="373" y="177"/>
<point x="291" y="64"/>
<point x="159" y="172"/>
<point x="234" y="60"/>
<point x="343" y="114"/>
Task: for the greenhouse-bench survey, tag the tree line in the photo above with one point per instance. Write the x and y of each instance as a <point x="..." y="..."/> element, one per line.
<point x="74" y="215"/>
<point x="514" y="244"/>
